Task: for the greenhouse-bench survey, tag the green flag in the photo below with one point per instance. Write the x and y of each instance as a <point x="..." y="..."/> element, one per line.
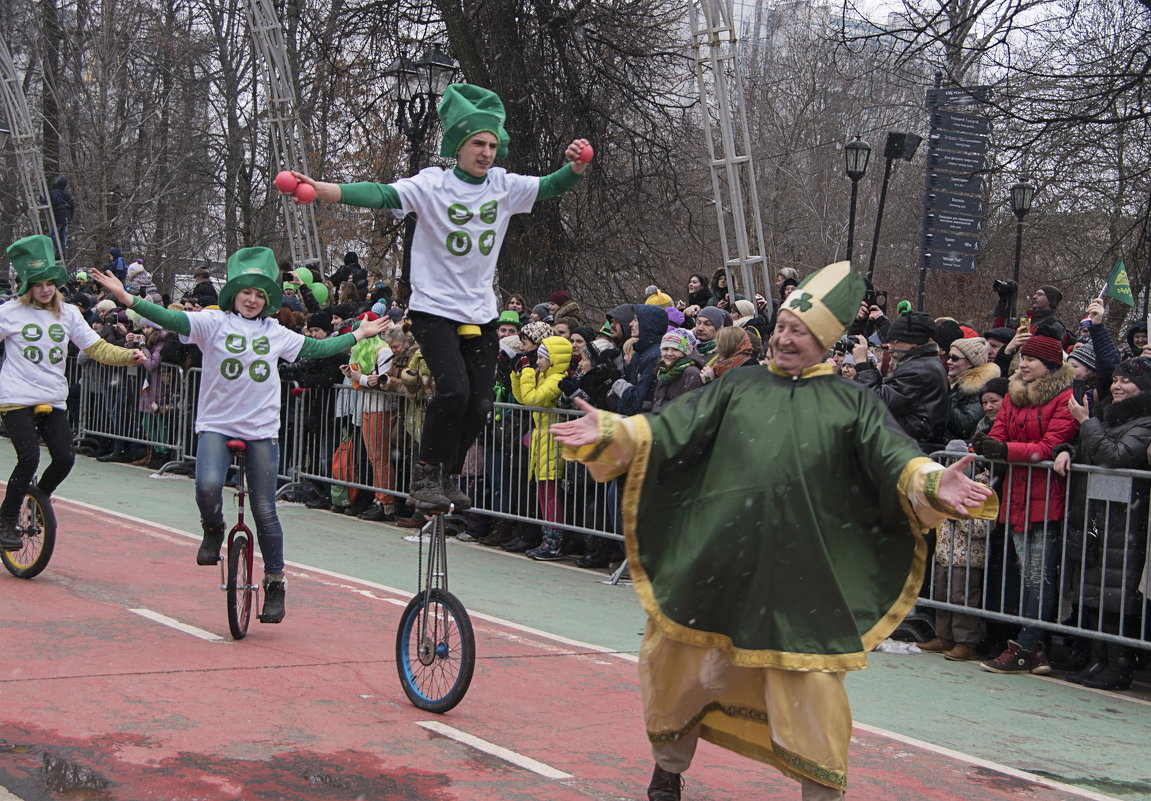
<point x="1118" y="285"/>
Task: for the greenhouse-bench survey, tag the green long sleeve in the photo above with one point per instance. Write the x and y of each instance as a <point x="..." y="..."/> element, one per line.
<point x="322" y="348"/>
<point x="171" y="319"/>
<point x="370" y="195"/>
<point x="558" y="182"/>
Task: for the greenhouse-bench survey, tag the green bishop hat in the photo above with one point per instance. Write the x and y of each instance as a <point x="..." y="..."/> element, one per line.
<point x="467" y="109"/>
<point x="253" y="268"/>
<point x="34" y="261"/>
<point x="827" y="301"/>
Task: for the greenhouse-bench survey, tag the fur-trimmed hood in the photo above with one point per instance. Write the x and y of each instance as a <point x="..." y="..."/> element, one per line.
<point x="570" y="309"/>
<point x="973" y="380"/>
<point x="1041" y="391"/>
<point x="1117" y="413"/>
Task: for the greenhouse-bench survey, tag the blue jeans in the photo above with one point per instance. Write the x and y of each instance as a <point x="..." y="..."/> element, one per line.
<point x="263" y="456"/>
<point x="1038" y="552"/>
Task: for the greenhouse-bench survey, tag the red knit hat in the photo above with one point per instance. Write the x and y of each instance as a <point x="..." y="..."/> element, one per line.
<point x="559" y="297"/>
<point x="1045" y="349"/>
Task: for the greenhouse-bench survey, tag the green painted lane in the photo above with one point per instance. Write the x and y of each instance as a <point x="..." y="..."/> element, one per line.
<point x="1097" y="741"/>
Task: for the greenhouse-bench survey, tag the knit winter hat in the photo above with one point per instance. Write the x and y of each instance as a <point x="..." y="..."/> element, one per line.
<point x="1137" y="370"/>
<point x="536" y="332"/>
<point x="542" y="311"/>
<point x="745" y="307"/>
<point x="716" y="315"/>
<point x="1054" y="296"/>
<point x="1084" y="353"/>
<point x="675" y="316"/>
<point x="1045" y="349"/>
<point x="135" y="268"/>
<point x="320" y="319"/>
<point x="659" y="299"/>
<point x="904" y="307"/>
<point x="827" y="301"/>
<point x="466" y="110"/>
<point x="559" y="297"/>
<point x="915" y="328"/>
<point x="974" y="349"/>
<point x="680" y="339"/>
<point x="105" y="306"/>
<point x="998" y="386"/>
<point x="542" y="350"/>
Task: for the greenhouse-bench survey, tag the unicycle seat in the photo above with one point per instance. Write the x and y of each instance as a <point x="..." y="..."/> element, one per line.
<point x="237" y="446"/>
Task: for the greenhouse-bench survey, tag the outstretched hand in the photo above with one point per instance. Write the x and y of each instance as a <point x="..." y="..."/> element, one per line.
<point x="958" y="491"/>
<point x="112" y="285"/>
<point x="580" y="431"/>
<point x="572" y="154"/>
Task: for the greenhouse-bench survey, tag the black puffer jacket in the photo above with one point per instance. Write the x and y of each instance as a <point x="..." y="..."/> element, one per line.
<point x="915" y="393"/>
<point x="1113" y="549"/>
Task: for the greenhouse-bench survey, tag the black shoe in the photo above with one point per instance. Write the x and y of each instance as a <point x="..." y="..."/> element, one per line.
<point x="592" y="560"/>
<point x="115" y="456"/>
<point x="377" y="513"/>
<point x="273" y="611"/>
<point x="318" y="503"/>
<point x="664" y="786"/>
<point x="336" y="509"/>
<point x="209" y="553"/>
<point x="10" y="538"/>
<point x="427" y="489"/>
<point x="457" y="496"/>
<point x="357" y="508"/>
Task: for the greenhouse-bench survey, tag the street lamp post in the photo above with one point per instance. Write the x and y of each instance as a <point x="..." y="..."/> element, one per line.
<point x="898" y="146"/>
<point x="419" y="85"/>
<point x="856" y="153"/>
<point x="1022" y="194"/>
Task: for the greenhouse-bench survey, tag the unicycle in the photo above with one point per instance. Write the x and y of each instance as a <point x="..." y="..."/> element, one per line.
<point x="236" y="570"/>
<point x="36" y="524"/>
<point x="435" y="644"/>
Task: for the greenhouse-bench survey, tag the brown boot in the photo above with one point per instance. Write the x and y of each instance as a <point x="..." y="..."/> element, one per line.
<point x="501" y="532"/>
<point x="936" y="646"/>
<point x="962" y="652"/>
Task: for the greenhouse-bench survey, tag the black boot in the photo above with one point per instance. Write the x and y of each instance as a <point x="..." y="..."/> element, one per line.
<point x="1119" y="672"/>
<point x="1096" y="664"/>
<point x="427" y="490"/>
<point x="456" y="495"/>
<point x="10" y="537"/>
<point x="209" y="553"/>
<point x="273" y="611"/>
<point x="1077" y="658"/>
<point x="664" y="786"/>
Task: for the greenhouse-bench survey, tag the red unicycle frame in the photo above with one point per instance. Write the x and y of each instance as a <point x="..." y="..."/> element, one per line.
<point x="237" y="569"/>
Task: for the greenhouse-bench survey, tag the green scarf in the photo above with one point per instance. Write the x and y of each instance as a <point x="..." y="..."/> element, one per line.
<point x="665" y="374"/>
<point x="705" y="347"/>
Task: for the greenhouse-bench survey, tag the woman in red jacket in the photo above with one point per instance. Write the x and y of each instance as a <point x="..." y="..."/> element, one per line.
<point x="1032" y="421"/>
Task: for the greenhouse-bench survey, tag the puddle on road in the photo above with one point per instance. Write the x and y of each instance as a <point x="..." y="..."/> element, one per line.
<point x="73" y="781"/>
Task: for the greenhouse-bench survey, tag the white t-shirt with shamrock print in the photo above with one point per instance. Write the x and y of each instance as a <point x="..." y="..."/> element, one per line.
<point x="35" y="350"/>
<point x="458" y="237"/>
<point x="240" y="386"/>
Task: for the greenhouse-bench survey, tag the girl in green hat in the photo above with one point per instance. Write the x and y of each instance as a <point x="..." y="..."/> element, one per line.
<point x="239" y="397"/>
<point x="462" y="215"/>
<point x="36" y="327"/>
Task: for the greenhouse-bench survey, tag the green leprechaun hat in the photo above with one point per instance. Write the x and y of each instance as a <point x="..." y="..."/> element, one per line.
<point x="253" y="268"/>
<point x="34" y="261"/>
<point x="467" y="109"/>
<point x="827" y="301"/>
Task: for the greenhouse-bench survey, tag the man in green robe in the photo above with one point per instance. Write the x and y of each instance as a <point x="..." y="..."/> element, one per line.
<point x="764" y="581"/>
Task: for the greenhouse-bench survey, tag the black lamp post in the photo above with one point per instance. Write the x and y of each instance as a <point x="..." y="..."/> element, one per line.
<point x="856" y="153"/>
<point x="898" y="146"/>
<point x="419" y="85"/>
<point x="1022" y="194"/>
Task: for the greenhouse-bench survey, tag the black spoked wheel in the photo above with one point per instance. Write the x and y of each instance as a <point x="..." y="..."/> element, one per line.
<point x="239" y="585"/>
<point x="436" y="651"/>
<point x="37" y="525"/>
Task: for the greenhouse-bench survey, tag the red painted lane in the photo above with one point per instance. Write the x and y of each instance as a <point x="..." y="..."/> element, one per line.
<point x="97" y="702"/>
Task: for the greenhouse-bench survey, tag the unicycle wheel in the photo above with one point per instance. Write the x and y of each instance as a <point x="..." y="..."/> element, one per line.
<point x="37" y="525"/>
<point x="239" y="585"/>
<point x="436" y="652"/>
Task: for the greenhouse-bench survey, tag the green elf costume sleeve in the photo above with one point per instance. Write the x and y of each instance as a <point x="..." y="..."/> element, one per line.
<point x="369" y="195"/>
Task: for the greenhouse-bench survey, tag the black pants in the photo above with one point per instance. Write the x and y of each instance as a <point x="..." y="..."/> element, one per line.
<point x="464" y="371"/>
<point x="25" y="429"/>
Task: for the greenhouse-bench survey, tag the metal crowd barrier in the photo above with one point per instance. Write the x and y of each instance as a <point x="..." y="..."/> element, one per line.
<point x="1090" y="571"/>
<point x="367" y="441"/>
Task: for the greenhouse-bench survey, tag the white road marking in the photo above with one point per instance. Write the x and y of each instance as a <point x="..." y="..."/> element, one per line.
<point x="176" y="624"/>
<point x="984" y="763"/>
<point x="7" y="796"/>
<point x="517" y="759"/>
<point x="432" y="725"/>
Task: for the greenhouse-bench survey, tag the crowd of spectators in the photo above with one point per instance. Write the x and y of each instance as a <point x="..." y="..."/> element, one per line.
<point x="1023" y="391"/>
